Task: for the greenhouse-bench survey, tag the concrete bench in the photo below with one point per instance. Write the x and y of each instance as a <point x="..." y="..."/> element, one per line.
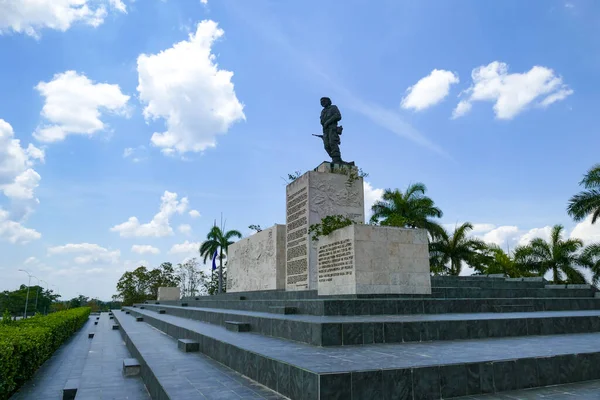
<point x="70" y="389"/>
<point x="188" y="345"/>
<point x="131" y="367"/>
<point x="237" y="326"/>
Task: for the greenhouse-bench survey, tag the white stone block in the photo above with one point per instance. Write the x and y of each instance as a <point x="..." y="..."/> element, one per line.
<point x="169" y="293"/>
<point x="310" y="198"/>
<point x="257" y="262"/>
<point x="366" y="259"/>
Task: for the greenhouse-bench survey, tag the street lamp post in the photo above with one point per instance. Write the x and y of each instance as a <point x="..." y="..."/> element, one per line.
<point x="27" y="297"/>
<point x="46" y="292"/>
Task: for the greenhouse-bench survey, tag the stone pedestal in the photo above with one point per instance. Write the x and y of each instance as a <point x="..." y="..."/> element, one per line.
<point x="328" y="190"/>
<point x="168" y="294"/>
<point x="365" y="259"/>
<point x="257" y="262"/>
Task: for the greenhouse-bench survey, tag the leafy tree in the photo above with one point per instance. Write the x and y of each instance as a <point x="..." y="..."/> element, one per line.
<point x="587" y="202"/>
<point x="141" y="284"/>
<point x="191" y="278"/>
<point x="218" y="241"/>
<point x="561" y="257"/>
<point x="410" y="209"/>
<point x="448" y="252"/>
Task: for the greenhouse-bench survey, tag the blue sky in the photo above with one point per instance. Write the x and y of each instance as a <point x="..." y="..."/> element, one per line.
<point x="154" y="109"/>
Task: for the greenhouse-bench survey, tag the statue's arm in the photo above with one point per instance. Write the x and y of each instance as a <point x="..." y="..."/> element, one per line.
<point x="335" y="116"/>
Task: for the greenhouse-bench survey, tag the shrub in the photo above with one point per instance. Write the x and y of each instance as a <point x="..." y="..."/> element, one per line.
<point x="26" y="344"/>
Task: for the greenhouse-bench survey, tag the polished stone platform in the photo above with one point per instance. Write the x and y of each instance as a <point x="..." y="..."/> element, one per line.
<point x="428" y="370"/>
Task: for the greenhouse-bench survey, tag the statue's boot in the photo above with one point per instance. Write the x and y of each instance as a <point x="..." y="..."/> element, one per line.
<point x="339" y="161"/>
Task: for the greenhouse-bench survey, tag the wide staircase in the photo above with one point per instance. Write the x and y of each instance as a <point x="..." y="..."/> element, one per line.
<point x="471" y="336"/>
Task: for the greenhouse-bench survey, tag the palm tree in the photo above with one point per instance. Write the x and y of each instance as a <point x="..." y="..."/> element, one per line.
<point x="411" y="209"/>
<point x="559" y="256"/>
<point x="449" y="252"/>
<point x="218" y="242"/>
<point x="498" y="261"/>
<point x="587" y="202"/>
<point x="590" y="257"/>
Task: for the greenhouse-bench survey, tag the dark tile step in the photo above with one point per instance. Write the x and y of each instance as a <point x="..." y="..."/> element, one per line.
<point x="115" y="327"/>
<point x="285" y="310"/>
<point x="403" y="306"/>
<point x="91" y="335"/>
<point x="139" y="319"/>
<point x="356" y="330"/>
<point x="410" y="370"/>
<point x="237" y="326"/>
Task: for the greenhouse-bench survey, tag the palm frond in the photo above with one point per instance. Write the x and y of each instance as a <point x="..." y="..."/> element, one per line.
<point x="583" y="204"/>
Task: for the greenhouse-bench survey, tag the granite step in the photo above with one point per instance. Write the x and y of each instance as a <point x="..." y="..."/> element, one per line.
<point x="408" y="370"/>
<point x="358" y="330"/>
<point x="176" y="375"/>
<point x="403" y="306"/>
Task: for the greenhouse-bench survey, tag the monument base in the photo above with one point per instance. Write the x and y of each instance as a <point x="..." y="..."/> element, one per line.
<point x="366" y="259"/>
<point x="257" y="262"/>
<point x="168" y="293"/>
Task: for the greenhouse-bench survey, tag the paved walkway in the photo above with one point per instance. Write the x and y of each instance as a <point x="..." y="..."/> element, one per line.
<point x="576" y="391"/>
<point x="102" y="377"/>
<point x="49" y="381"/>
<point x="188" y="375"/>
<point x="96" y="362"/>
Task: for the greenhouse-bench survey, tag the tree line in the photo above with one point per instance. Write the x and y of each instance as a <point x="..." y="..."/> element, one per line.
<point x="564" y="259"/>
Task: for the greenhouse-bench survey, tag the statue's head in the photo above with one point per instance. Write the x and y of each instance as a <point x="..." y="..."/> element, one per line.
<point x="325" y="101"/>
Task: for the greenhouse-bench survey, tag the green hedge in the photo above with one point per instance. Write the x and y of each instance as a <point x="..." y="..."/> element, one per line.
<point x="26" y="344"/>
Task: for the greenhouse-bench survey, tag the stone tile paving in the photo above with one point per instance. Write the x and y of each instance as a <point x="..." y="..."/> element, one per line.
<point x="395" y="318"/>
<point x="66" y="363"/>
<point x="575" y="391"/>
<point x="189" y="375"/>
<point x="392" y="356"/>
<point x="102" y="377"/>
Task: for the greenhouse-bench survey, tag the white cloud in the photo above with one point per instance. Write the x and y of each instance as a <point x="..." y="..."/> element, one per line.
<point x="144" y="249"/>
<point x="502" y="235"/>
<point x="430" y="90"/>
<point x="30" y="260"/>
<point x="74" y="105"/>
<point x="136" y="154"/>
<point x="31" y="16"/>
<point x="194" y="213"/>
<point x="512" y="93"/>
<point x="371" y="196"/>
<point x="89" y="253"/>
<point x="543" y="233"/>
<point x="586" y="231"/>
<point x="204" y="1"/>
<point x="569" y="5"/>
<point x="159" y="226"/>
<point x="14" y="232"/>
<point x="184" y="86"/>
<point x="17" y="178"/>
<point x="186" y="247"/>
<point x="185" y="229"/>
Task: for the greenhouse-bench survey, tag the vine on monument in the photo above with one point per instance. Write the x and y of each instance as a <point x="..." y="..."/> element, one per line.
<point x="328" y="225"/>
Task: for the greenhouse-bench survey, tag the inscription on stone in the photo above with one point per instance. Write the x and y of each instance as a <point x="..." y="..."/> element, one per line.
<point x="297" y="238"/>
<point x="335" y="259"/>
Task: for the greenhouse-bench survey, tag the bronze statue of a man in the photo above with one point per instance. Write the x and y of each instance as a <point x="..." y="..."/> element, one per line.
<point x="330" y="116"/>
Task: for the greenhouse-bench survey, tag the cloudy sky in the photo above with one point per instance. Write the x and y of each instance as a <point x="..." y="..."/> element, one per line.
<point x="127" y="128"/>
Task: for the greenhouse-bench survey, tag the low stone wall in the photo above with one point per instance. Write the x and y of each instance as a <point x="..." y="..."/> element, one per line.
<point x="257" y="262"/>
